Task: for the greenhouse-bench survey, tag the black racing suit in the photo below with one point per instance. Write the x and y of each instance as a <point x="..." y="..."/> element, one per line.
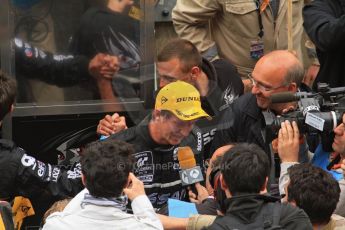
<point x="156" y="165"/>
<point x="23" y="175"/>
<point x="60" y="70"/>
<point x="225" y="86"/>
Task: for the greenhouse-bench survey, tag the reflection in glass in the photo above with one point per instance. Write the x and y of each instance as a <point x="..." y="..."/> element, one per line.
<point x="57" y="41"/>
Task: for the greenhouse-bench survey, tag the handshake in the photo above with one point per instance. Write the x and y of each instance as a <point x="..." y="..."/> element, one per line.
<point x="104" y="66"/>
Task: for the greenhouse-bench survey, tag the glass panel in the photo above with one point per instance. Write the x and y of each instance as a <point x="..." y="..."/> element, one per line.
<point x="55" y="43"/>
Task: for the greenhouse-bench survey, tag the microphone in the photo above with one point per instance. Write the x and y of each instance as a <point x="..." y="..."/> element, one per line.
<point x="190" y="173"/>
<point x="285" y="97"/>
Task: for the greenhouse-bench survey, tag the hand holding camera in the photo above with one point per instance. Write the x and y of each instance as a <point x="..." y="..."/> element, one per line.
<point x="135" y="187"/>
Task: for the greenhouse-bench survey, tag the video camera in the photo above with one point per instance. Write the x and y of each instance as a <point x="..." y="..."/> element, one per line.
<point x="317" y="113"/>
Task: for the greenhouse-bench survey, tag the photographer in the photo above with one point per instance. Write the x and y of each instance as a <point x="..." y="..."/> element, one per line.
<point x="288" y="142"/>
<point x="278" y="71"/>
<point x="243" y="177"/>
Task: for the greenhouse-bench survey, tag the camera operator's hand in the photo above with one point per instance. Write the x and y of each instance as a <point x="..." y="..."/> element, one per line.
<point x="135" y="187"/>
<point x="202" y="194"/>
<point x="111" y="124"/>
<point x="288" y="142"/>
<point x="290" y="107"/>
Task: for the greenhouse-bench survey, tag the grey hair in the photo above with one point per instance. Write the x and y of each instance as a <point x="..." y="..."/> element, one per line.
<point x="295" y="74"/>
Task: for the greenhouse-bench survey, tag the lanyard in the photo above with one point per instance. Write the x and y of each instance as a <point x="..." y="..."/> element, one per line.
<point x="261" y="27"/>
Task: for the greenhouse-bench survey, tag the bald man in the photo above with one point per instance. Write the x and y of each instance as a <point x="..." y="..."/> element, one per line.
<point x="278" y="71"/>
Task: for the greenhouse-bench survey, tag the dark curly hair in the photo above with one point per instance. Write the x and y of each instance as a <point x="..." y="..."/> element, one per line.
<point x="313" y="190"/>
<point x="106" y="166"/>
<point x="245" y="168"/>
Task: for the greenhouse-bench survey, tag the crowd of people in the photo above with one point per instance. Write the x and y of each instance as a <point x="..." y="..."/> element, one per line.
<point x="214" y="96"/>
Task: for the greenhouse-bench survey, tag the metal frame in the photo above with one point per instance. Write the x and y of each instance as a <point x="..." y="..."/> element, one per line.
<point x="7" y="62"/>
<point x="163" y="10"/>
<point x="84" y="107"/>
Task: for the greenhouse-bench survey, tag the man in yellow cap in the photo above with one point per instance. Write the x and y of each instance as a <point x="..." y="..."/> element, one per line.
<point x="156" y="141"/>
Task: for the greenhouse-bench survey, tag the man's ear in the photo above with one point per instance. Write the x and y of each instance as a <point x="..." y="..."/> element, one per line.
<point x="128" y="181"/>
<point x="292" y="202"/>
<point x="83" y="179"/>
<point x="224" y="186"/>
<point x="263" y="190"/>
<point x="12" y="108"/>
<point x="195" y="72"/>
<point x="293" y="87"/>
<point x="156" y="114"/>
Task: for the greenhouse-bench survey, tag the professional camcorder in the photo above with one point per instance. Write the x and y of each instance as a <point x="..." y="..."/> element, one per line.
<point x="316" y="113"/>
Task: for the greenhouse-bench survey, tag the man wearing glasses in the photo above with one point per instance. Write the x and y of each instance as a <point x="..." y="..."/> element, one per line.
<point x="278" y="71"/>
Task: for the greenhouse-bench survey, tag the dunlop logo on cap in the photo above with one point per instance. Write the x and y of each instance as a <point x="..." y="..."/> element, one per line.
<point x="181" y="99"/>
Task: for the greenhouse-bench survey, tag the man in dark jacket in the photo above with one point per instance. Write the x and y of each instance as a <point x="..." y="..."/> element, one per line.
<point x="23" y="175"/>
<point x="324" y="22"/>
<point x="278" y="71"/>
<point x="244" y="175"/>
<point x="156" y="141"/>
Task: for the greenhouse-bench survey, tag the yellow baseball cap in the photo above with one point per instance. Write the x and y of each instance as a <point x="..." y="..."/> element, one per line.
<point x="182" y="99"/>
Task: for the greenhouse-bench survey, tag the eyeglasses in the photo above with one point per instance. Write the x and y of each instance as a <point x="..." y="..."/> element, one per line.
<point x="263" y="87"/>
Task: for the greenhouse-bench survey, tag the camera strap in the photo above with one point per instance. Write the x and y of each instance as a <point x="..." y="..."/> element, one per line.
<point x="259" y="10"/>
<point x="257" y="45"/>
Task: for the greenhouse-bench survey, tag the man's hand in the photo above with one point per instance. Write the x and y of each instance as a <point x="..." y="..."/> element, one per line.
<point x="135" y="187"/>
<point x="111" y="124"/>
<point x="288" y="142"/>
<point x="202" y="194"/>
<point x="291" y="106"/>
<point x="104" y="66"/>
